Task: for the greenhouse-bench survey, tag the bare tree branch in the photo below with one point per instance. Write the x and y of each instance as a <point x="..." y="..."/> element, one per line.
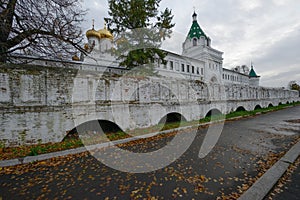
<point x="41" y="28"/>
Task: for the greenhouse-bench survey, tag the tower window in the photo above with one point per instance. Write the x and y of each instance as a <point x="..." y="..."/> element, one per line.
<point x="193" y="69"/>
<point x="182" y="67"/>
<point x="188" y="68"/>
<point x="195" y="42"/>
<point x="171" y="65"/>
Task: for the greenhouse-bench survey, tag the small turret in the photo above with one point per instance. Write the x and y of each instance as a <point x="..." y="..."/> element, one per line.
<point x="253" y="78"/>
<point x="252" y="73"/>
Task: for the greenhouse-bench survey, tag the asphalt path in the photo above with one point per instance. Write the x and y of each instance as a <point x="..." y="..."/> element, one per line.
<point x="291" y="190"/>
<point x="245" y="150"/>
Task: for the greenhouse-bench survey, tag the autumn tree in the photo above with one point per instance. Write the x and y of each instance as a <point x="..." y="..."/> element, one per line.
<point x="139" y="28"/>
<point x="48" y="28"/>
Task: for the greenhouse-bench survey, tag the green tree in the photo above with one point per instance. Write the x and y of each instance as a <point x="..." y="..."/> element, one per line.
<point x="48" y="28"/>
<point x="139" y="30"/>
<point x="293" y="85"/>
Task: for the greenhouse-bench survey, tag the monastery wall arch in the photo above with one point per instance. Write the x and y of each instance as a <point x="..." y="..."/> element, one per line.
<point x="41" y="104"/>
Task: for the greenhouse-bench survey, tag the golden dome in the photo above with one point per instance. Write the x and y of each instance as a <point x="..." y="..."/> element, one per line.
<point x="92" y="33"/>
<point x="104" y="33"/>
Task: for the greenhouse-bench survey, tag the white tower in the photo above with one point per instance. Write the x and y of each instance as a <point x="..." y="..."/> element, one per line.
<point x="198" y="45"/>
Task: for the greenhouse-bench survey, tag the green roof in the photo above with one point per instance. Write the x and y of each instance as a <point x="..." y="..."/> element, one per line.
<point x="252" y="73"/>
<point x="196" y="31"/>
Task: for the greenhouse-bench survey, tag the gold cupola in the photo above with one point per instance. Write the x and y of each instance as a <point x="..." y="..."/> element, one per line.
<point x="93" y="33"/>
<point x="105" y="33"/>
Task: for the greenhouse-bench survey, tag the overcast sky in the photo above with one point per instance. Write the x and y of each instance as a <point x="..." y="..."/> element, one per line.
<point x="266" y="32"/>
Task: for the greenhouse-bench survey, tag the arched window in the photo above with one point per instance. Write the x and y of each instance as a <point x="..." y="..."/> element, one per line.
<point x="195" y="42"/>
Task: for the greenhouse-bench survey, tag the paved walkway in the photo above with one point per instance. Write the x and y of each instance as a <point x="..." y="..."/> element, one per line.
<point x="291" y="190"/>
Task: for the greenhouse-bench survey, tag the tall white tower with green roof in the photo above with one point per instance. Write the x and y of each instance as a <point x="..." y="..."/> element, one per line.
<point x="197" y="45"/>
<point x="196" y="36"/>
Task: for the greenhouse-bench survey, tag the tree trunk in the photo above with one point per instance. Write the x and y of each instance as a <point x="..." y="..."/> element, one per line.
<point x="3" y="55"/>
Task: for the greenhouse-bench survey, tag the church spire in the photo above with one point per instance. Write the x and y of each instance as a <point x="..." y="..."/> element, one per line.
<point x="195" y="30"/>
<point x="194" y="16"/>
<point x="252" y="73"/>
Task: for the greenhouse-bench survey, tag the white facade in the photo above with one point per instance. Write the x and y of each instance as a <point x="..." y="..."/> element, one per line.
<point x="233" y="77"/>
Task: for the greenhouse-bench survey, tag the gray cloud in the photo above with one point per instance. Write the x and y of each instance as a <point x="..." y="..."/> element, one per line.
<point x="281" y="60"/>
<point x="263" y="31"/>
